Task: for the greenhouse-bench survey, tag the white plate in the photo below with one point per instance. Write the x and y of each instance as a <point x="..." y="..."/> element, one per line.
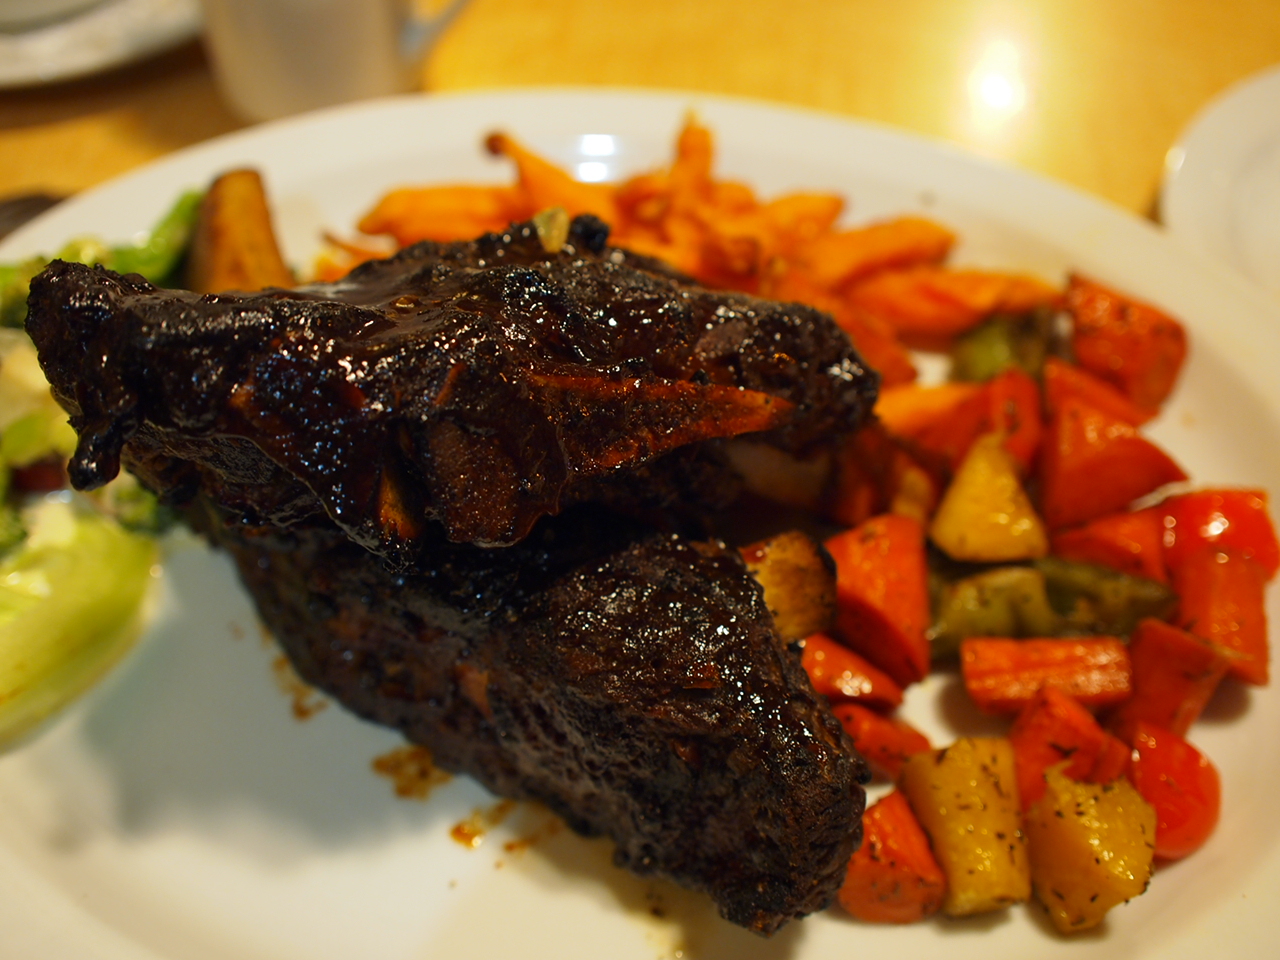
<point x="182" y="813"/>
<point x="1221" y="192"/>
<point x="109" y="35"/>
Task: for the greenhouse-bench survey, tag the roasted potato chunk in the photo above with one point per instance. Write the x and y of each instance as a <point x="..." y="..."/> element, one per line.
<point x="235" y="246"/>
<point x="966" y="798"/>
<point x="799" y="581"/>
<point x="1091" y="848"/>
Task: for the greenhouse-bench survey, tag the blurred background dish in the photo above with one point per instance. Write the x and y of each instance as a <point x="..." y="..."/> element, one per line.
<point x="101" y="36"/>
<point x="1221" y="192"/>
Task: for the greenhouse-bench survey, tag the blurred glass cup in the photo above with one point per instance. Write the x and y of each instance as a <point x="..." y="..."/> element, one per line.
<point x="273" y="58"/>
<point x="24" y="14"/>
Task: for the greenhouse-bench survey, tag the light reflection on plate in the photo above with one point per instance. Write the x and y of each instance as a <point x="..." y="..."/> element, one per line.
<point x="182" y="813"/>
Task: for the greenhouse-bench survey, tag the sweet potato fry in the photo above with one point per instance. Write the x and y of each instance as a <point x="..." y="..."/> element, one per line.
<point x="544" y="185"/>
<point x="458" y="212"/>
<point x="930" y="305"/>
<point x="835" y="259"/>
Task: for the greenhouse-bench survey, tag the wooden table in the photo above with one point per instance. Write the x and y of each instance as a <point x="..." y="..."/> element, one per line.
<point x="1091" y="92"/>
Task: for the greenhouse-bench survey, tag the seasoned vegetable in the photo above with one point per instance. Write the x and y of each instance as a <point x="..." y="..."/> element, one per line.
<point x="1131" y="543"/>
<point x="1174" y="675"/>
<point x="798" y="581"/>
<point x="1002" y="676"/>
<point x="1090" y="847"/>
<point x="1222" y="597"/>
<point x="234" y="246"/>
<point x="1093" y="463"/>
<point x="893" y="877"/>
<point x="966" y="798"/>
<point x="839" y="674"/>
<point x="1002" y="602"/>
<point x="1230" y="521"/>
<point x="1094" y="599"/>
<point x="885" y="742"/>
<point x="70" y="606"/>
<point x="1053" y="730"/>
<point x="1008" y="342"/>
<point x="985" y="515"/>
<point x="156" y="257"/>
<point x="882" y="595"/>
<point x="1128" y="343"/>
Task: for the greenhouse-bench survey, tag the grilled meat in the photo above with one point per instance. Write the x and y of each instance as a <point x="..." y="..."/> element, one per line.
<point x="482" y="385"/>
<point x="456" y="482"/>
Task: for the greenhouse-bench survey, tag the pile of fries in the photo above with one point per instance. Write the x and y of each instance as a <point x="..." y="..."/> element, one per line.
<point x="884" y="283"/>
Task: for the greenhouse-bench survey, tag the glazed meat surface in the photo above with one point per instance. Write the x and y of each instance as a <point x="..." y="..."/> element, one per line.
<point x="481" y="385"/>
<point x="465" y="488"/>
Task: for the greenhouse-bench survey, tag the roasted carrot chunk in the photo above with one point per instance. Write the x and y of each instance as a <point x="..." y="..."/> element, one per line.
<point x="1174" y="675"/>
<point x="839" y="674"/>
<point x="1092" y="464"/>
<point x="882" y="595"/>
<point x="1126" y="342"/>
<point x="1131" y="542"/>
<point x="1112" y="762"/>
<point x="1063" y="380"/>
<point x="885" y="742"/>
<point x="906" y="410"/>
<point x="1237" y="521"/>
<point x="1221" y="598"/>
<point x="1052" y="729"/>
<point x="1002" y="676"/>
<point x="893" y="877"/>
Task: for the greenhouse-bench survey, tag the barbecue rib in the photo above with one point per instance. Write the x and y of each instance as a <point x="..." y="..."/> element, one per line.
<point x="458" y="485"/>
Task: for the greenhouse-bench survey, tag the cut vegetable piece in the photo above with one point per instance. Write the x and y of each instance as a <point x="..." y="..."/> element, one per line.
<point x="446" y="213"/>
<point x="1053" y="730"/>
<point x="1064" y="380"/>
<point x="1003" y="343"/>
<point x="545" y="185"/>
<point x="985" y="516"/>
<point x="1093" y="464"/>
<point x="1222" y="597"/>
<point x="798" y="581"/>
<point x="1182" y="785"/>
<point x="70" y="608"/>
<point x="1094" y="599"/>
<point x="1236" y="521"/>
<point x="1002" y="676"/>
<point x="882" y="595"/>
<point x="1090" y="849"/>
<point x="1113" y="760"/>
<point x="966" y="798"/>
<point x="1131" y="542"/>
<point x="907" y="409"/>
<point x="1126" y="342"/>
<point x="885" y="742"/>
<point x="1174" y="675"/>
<point x="839" y="674"/>
<point x="234" y="246"/>
<point x="893" y="877"/>
<point x="1004" y="602"/>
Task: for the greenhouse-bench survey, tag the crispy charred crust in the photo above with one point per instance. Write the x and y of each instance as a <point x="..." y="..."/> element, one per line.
<point x="636" y="686"/>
